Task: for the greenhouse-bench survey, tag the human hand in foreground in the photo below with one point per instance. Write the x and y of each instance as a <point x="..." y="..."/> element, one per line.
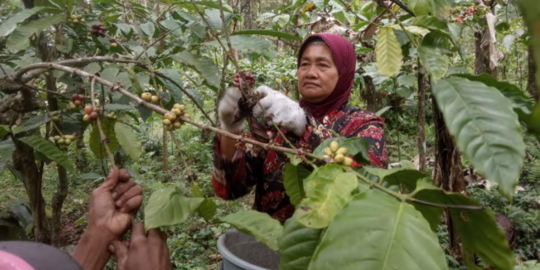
<point x="113" y="206"/>
<point x="144" y="251"/>
<point x="280" y="110"/>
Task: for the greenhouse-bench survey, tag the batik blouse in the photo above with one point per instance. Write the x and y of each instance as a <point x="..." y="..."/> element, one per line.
<point x="256" y="167"/>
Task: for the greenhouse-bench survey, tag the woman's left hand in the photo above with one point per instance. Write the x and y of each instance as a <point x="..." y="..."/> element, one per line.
<point x="281" y="110"/>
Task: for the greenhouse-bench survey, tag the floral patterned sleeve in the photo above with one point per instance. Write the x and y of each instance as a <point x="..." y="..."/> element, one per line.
<point x="350" y="122"/>
<point x="235" y="178"/>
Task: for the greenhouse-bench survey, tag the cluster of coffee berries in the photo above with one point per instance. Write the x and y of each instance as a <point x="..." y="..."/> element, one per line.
<point x="63" y="141"/>
<point x="250" y="79"/>
<point x="76" y="101"/>
<point x="461" y="14"/>
<point x="112" y="115"/>
<point x="172" y="120"/>
<point x="76" y="19"/>
<point x="89" y="113"/>
<point x="98" y="30"/>
<point x="337" y="154"/>
<point x="55" y="116"/>
<point x="113" y="42"/>
<point x="148" y="97"/>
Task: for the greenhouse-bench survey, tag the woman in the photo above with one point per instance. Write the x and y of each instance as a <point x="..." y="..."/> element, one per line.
<point x="326" y="67"/>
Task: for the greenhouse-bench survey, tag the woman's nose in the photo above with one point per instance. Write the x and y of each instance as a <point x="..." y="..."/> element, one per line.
<point x="312" y="72"/>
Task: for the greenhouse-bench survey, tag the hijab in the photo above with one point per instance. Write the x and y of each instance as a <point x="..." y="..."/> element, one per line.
<point x="344" y="57"/>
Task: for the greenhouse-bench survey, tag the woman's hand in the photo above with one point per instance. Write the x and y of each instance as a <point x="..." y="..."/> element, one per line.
<point x="281" y="110"/>
<point x="145" y="251"/>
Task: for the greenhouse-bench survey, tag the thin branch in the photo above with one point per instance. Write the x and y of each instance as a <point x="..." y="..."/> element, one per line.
<point x="157" y="40"/>
<point x="102" y="136"/>
<point x="226" y="32"/>
<point x="161" y="75"/>
<point x="469" y="207"/>
<point x="389" y="10"/>
<point x="214" y="34"/>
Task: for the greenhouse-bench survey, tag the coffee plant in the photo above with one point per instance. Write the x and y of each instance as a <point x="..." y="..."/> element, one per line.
<point x="94" y="71"/>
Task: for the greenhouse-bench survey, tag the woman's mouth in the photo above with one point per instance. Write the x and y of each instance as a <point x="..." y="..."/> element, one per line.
<point x="312" y="84"/>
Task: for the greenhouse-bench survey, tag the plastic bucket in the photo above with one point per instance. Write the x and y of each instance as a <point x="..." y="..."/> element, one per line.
<point x="242" y="252"/>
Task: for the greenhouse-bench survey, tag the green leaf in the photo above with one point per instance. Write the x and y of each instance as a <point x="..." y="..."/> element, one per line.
<point x="297" y="245"/>
<point x="95" y="140"/>
<point x="196" y="190"/>
<point x="358" y="148"/>
<point x="486" y="129"/>
<point x="10" y="24"/>
<point x="7" y="147"/>
<point x="92" y="68"/>
<point x="148" y="28"/>
<point x="176" y="92"/>
<point x="477" y="229"/>
<point x="129" y="140"/>
<point x="137" y="88"/>
<point x="270" y="33"/>
<point x="397" y="176"/>
<point x="208" y="209"/>
<point x="293" y="180"/>
<point x="521" y="102"/>
<point x="534" y="123"/>
<point x="441" y="8"/>
<point x="110" y="73"/>
<point x="167" y="207"/>
<point x="247" y="44"/>
<point x="431" y="23"/>
<point x="389" y="55"/>
<point x="295" y="160"/>
<point x="20" y="38"/>
<point x="4" y="130"/>
<point x="203" y="65"/>
<point x="434" y="60"/>
<point x="48" y="149"/>
<point x="259" y="225"/>
<point x="327" y="191"/>
<point x="419" y="7"/>
<point x="376" y="231"/>
<point x="31" y="124"/>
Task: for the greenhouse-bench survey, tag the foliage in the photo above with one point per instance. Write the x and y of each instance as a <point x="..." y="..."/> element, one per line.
<point x="340" y="210"/>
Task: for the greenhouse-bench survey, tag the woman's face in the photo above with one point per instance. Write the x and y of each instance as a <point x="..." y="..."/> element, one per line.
<point x="317" y="73"/>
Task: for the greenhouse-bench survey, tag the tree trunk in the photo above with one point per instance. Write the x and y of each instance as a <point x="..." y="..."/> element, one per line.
<point x="371" y="96"/>
<point x="25" y="162"/>
<point x="448" y="170"/>
<point x="532" y="85"/>
<point x="422" y="84"/>
<point x="248" y="21"/>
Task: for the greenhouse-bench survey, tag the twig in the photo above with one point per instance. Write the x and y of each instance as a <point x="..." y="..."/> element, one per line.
<point x="103" y="138"/>
<point x="179" y="149"/>
<point x="157" y="40"/>
<point x="161" y="75"/>
<point x="226" y="32"/>
<point x="214" y="34"/>
<point x="389" y="10"/>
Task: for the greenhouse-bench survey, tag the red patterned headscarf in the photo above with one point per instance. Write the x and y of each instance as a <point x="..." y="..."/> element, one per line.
<point x="345" y="62"/>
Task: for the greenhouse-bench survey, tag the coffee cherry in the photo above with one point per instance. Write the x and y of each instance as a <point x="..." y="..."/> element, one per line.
<point x="176" y="111"/>
<point x="348" y="161"/>
<point x="166" y="122"/>
<point x="61" y="141"/>
<point x="56" y="118"/>
<point x="114" y="44"/>
<point x="68" y="141"/>
<point x="334" y="146"/>
<point x="86" y="118"/>
<point x="78" y="102"/>
<point x="342" y="150"/>
<point x="93" y="115"/>
<point x="154" y="99"/>
<point x="146" y="96"/>
<point x="57" y="138"/>
<point x="88" y="109"/>
<point x="170" y="116"/>
<point x="177" y="124"/>
<point x="339" y="158"/>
